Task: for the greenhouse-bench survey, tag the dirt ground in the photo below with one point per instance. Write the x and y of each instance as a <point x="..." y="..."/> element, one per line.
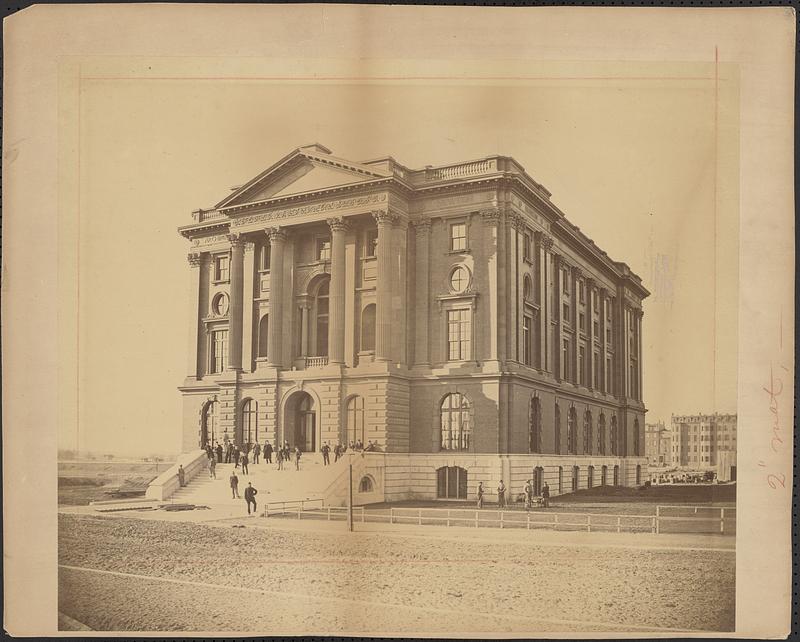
<point x="276" y="581"/>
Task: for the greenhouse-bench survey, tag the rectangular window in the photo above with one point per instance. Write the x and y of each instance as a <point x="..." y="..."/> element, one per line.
<point x="582" y="291"/>
<point x="596" y="382"/>
<point x="324" y="249"/>
<point x="458" y="237"/>
<point x="527" y="322"/>
<point x="219" y="352"/>
<point x="266" y="253"/>
<point x="609" y="377"/>
<point x="595" y="329"/>
<point x="565" y="281"/>
<point x="565" y="311"/>
<point x="565" y="360"/>
<point x="581" y="365"/>
<point x="596" y="304"/>
<point x="458" y="335"/>
<point x="222" y="268"/>
<point x="582" y="322"/>
<point x="526" y="247"/>
<point x="371" y="243"/>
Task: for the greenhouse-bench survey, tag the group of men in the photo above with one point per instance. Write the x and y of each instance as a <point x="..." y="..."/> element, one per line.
<point x="249" y="453"/>
<point x="527" y="491"/>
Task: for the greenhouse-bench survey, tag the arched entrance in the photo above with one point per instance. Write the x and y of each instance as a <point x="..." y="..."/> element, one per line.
<point x="300" y="421"/>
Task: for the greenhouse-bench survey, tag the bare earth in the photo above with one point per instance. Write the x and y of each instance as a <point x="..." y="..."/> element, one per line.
<point x="196" y="577"/>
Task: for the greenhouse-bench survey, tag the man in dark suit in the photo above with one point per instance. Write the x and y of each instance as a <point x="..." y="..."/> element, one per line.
<point x="219" y="453"/>
<point x="250" y="497"/>
<point x="268" y="453"/>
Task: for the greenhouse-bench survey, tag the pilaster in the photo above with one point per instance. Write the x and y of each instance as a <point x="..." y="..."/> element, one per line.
<point x="277" y="239"/>
<point x="421" y="304"/>
<point x="339" y="227"/>
<point x="248" y="315"/>
<point x="196" y="260"/>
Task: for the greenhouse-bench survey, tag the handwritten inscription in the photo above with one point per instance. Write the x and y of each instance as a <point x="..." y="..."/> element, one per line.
<point x="774" y="390"/>
<point x="327" y="206"/>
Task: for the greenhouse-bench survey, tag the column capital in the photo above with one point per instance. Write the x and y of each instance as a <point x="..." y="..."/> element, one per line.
<point x="383" y="217"/>
<point x="491" y="216"/>
<point x="338" y="224"/>
<point x="591" y="283"/>
<point x="236" y="239"/>
<point x="276" y="235"/>
<point x="517" y="221"/>
<point x="638" y="313"/>
<point x="577" y="272"/>
<point x="422" y="226"/>
<point x="195" y="259"/>
<point x="545" y="240"/>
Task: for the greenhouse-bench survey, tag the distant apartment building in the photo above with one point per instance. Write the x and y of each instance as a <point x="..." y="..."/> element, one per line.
<point x="658" y="445"/>
<point x="705" y="442"/>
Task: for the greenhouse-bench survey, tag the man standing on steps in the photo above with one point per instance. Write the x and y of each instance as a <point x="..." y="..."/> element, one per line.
<point x="250" y="497"/>
<point x="245" y="461"/>
<point x="256" y="452"/>
<point x="297" y="457"/>
<point x="228" y="452"/>
<point x="326" y="454"/>
<point x="234" y="485"/>
<point x="219" y="453"/>
<point x="181" y="476"/>
<point x="236" y="455"/>
<point x="212" y="469"/>
<point x="267" y="452"/>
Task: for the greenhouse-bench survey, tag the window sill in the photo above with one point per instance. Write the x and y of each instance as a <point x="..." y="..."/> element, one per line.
<point x="220" y="281"/>
<point x="451" y="252"/>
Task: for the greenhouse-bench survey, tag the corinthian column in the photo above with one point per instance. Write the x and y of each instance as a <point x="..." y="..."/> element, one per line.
<point x="339" y="227"/>
<point x="383" y="329"/>
<point x="277" y="238"/>
<point x="195" y="261"/>
<point x="237" y="292"/>
<point x="422" y="264"/>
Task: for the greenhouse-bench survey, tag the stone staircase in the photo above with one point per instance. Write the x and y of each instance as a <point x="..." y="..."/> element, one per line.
<point x="273" y="485"/>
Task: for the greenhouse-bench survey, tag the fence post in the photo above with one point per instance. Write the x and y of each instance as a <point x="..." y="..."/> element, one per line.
<point x="501" y="519"/>
<point x="419" y="517"/>
<point x="555" y="521"/>
<point x="619" y="524"/>
<point x="391" y="515"/>
<point x="653" y="525"/>
<point x="476" y="519"/>
<point x="448" y="517"/>
<point x="362" y="515"/>
<point x="658" y="519"/>
<point x="529" y="521"/>
<point x="299" y="509"/>
<point x="329" y="513"/>
<point x="588" y="523"/>
<point x="722" y="521"/>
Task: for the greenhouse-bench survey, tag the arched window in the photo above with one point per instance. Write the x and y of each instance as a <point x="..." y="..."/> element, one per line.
<point x="263" y="336"/>
<point x="557" y="430"/>
<point x="366" y="485"/>
<point x="368" y="328"/>
<point x="208" y="429"/>
<point x="355" y="419"/>
<point x="614" y="436"/>
<point x="250" y="421"/>
<point x="638" y="475"/>
<point x="455" y="422"/>
<point x="587" y="433"/>
<point x="572" y="431"/>
<point x="535" y="426"/>
<point x="604" y="475"/>
<point x="616" y="475"/>
<point x="636" y="439"/>
<point x="321" y="310"/>
<point x="576" y="471"/>
<point x="451" y="482"/>
<point x="590" y="477"/>
<point x="601" y="435"/>
<point x="527" y="291"/>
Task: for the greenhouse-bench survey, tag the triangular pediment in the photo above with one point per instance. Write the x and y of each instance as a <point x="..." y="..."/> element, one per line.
<point x="306" y="169"/>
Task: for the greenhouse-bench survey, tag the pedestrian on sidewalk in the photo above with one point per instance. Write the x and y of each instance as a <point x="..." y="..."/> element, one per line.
<point x="480" y="494"/>
<point x="528" y="494"/>
<point x="237" y="455"/>
<point x="279" y="459"/>
<point x="212" y="469"/>
<point x="250" y="497"/>
<point x="326" y="454"/>
<point x="337" y="452"/>
<point x="267" y="452"/>
<point x="181" y="476"/>
<point x="245" y="461"/>
<point x="256" y="452"/>
<point x="219" y="453"/>
<point x="297" y="457"/>
<point x="234" y="485"/>
<point x="546" y="496"/>
<point x="501" y="495"/>
<point x="228" y="451"/>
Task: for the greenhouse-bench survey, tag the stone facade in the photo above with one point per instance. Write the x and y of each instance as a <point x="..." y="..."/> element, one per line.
<point x="658" y="445"/>
<point x="451" y="315"/>
<point x="703" y="442"/>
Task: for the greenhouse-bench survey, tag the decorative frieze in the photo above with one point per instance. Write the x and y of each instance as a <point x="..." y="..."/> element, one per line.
<point x="316" y="208"/>
<point x="490" y="216"/>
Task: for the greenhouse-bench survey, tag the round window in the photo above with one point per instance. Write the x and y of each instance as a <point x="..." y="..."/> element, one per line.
<point x="459" y="279"/>
<point x="220" y="305"/>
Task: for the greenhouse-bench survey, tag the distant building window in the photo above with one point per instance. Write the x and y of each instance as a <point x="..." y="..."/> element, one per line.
<point x="535" y="426"/>
<point x="455" y="422"/>
<point x="601" y="436"/>
<point x="609" y="377"/>
<point x="526" y="288"/>
<point x="587" y="433"/>
<point x="582" y="291"/>
<point x="324" y="249"/>
<point x="459" y="332"/>
<point x="565" y="311"/>
<point x="222" y="268"/>
<point x="263" y="336"/>
<point x="219" y="352"/>
<point x="582" y="322"/>
<point x="572" y="432"/>
<point x="557" y="431"/>
<point x="458" y="237"/>
<point x="582" y="366"/>
<point x="250" y="421"/>
<point x="565" y="281"/>
<point x="565" y="360"/>
<point x="355" y="419"/>
<point x="368" y="328"/>
<point x="576" y="471"/>
<point x="595" y="329"/>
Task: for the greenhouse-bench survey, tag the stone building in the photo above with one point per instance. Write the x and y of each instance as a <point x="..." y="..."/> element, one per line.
<point x="658" y="445"/>
<point x="450" y="314"/>
<point x="704" y="442"/>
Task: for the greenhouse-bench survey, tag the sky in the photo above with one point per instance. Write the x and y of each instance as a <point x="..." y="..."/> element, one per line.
<point x="639" y="167"/>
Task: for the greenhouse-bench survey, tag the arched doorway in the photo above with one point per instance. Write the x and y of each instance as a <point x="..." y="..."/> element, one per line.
<point x="300" y="421"/>
<point x="208" y="427"/>
<point x="451" y="482"/>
